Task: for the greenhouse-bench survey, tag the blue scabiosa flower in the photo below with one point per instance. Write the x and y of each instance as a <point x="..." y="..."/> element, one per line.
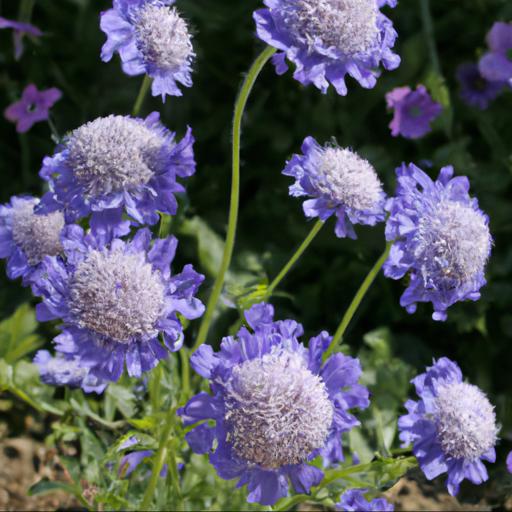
<point x="441" y="238"/>
<point x="354" y="500"/>
<point x="26" y="238"/>
<point x="151" y="37"/>
<point x="509" y="462"/>
<point x="275" y="406"/>
<point x="475" y="90"/>
<point x="496" y="65"/>
<point x="118" y="163"/>
<point x="413" y="111"/>
<point x="452" y="427"/>
<point x="339" y="182"/>
<point x="328" y="39"/>
<point x="116" y="298"/>
<point x="61" y="371"/>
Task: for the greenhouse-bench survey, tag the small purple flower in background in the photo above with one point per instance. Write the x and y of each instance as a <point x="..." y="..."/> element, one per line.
<point x="116" y="298"/>
<point x="452" y="427"/>
<point x="131" y="461"/>
<point x="20" y="30"/>
<point x="328" y="39"/>
<point x="475" y="90"/>
<point x="509" y="462"/>
<point x="26" y="237"/>
<point x="496" y="65"/>
<point x="34" y="106"/>
<point x="441" y="238"/>
<point x="151" y="37"/>
<point x="60" y="371"/>
<point x="339" y="182"/>
<point x="275" y="404"/>
<point x="118" y="163"/>
<point x="354" y="500"/>
<point x="413" y="111"/>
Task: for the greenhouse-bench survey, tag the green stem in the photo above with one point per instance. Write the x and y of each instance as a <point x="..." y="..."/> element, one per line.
<point x="185" y="373"/>
<point x="144" y="88"/>
<point x="174" y="475"/>
<point x="25" y="12"/>
<point x="428" y="28"/>
<point x="240" y="104"/>
<point x="290" y="502"/>
<point x="298" y="253"/>
<point x="356" y="301"/>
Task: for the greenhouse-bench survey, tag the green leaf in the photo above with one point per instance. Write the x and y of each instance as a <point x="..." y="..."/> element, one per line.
<point x="46" y="486"/>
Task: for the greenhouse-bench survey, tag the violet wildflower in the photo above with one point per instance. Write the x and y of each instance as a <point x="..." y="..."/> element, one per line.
<point x="26" y="237"/>
<point x="151" y="37"/>
<point x="21" y="29"/>
<point x="413" y="111"/>
<point x="339" y="182"/>
<point x="328" y="39"/>
<point x="118" y="163"/>
<point x="33" y="107"/>
<point x="276" y="406"/>
<point x="441" y="238"/>
<point x="61" y="371"/>
<point x="115" y="299"/>
<point x="475" y="90"/>
<point x="496" y="65"/>
<point x="354" y="500"/>
<point x="452" y="427"/>
<point x="131" y="461"/>
<point x="509" y="462"/>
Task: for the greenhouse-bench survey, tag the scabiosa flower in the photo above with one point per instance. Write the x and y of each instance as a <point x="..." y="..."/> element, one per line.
<point x="339" y="182"/>
<point x="275" y="406"/>
<point x="509" y="462"/>
<point x="475" y="90"/>
<point x="413" y="111"/>
<point x="354" y="500"/>
<point x="21" y="29"/>
<point x="118" y="163"/>
<point x="328" y="39"/>
<point x="33" y="107"/>
<point x="452" y="426"/>
<point x="116" y="298"/>
<point x="496" y="65"/>
<point x="61" y="371"/>
<point x="26" y="238"/>
<point x="151" y="37"/>
<point x="441" y="238"/>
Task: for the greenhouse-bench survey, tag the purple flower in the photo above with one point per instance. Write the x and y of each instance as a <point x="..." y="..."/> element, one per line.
<point x="20" y="30"/>
<point x="509" y="462"/>
<point x="118" y="163"/>
<point x="413" y="111"/>
<point x="440" y="237"/>
<point x="34" y="106"/>
<point x="452" y="427"/>
<point x="339" y="182"/>
<point x="131" y="461"/>
<point x="118" y="300"/>
<point x="26" y="238"/>
<point x="61" y="371"/>
<point x="475" y="90"/>
<point x="326" y="39"/>
<point x="496" y="65"/>
<point x="151" y="38"/>
<point x="354" y="500"/>
<point x="276" y="406"/>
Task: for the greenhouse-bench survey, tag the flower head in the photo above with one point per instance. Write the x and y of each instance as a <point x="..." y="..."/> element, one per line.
<point x="413" y="111"/>
<point x="61" y="371"/>
<point x="118" y="163"/>
<point x="354" y="500"/>
<point x="452" y="426"/>
<point x="34" y="106"/>
<point x="115" y="299"/>
<point x="509" y="462"/>
<point x="151" y="37"/>
<point x="26" y="237"/>
<point x="440" y="236"/>
<point x="328" y="39"/>
<point x="475" y="90"/>
<point x="275" y="405"/>
<point x="339" y="182"/>
<point x="496" y="65"/>
<point x="20" y="30"/>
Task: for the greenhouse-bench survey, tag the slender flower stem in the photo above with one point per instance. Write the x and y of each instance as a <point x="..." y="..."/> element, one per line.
<point x="185" y="373"/>
<point x="298" y="253"/>
<point x="240" y="104"/>
<point x="428" y="28"/>
<point x="356" y="301"/>
<point x="288" y="503"/>
<point x="144" y="88"/>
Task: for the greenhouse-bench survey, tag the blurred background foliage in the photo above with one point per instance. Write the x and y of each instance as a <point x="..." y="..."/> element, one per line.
<point x="393" y="344"/>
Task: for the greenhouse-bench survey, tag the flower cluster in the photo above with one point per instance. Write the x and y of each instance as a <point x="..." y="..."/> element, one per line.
<point x="354" y="500"/>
